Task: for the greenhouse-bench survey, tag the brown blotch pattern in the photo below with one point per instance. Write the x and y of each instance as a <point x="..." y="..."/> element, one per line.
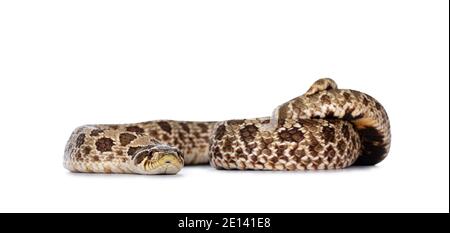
<point x="273" y="159"/>
<point x="329" y="154"/>
<point x="280" y="150"/>
<point x="104" y="144"/>
<point x="126" y="138"/>
<point x="291" y="135"/>
<point x="154" y="133"/>
<point x="365" y="101"/>
<point x="135" y="129"/>
<point x="378" y="106"/>
<point x="347" y="96"/>
<point x="217" y="152"/>
<point x="240" y="154"/>
<point x="203" y="127"/>
<point x="341" y="146"/>
<point x="166" y="138"/>
<point x="345" y="131"/>
<point x="328" y="134"/>
<point x="96" y="132"/>
<point x="314" y="146"/>
<point x="248" y="133"/>
<point x="185" y="127"/>
<point x="78" y="157"/>
<point x="228" y="145"/>
<point x="220" y="131"/>
<point x="87" y="150"/>
<point x="165" y="126"/>
<point x="181" y="136"/>
<point x="325" y="99"/>
<point x="80" y="140"/>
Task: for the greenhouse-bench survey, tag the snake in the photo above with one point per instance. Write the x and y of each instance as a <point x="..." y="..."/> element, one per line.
<point x="325" y="128"/>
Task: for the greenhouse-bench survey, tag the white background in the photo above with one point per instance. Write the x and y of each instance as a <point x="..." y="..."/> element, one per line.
<point x="69" y="63"/>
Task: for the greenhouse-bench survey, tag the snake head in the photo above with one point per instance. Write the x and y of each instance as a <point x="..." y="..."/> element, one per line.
<point x="158" y="159"/>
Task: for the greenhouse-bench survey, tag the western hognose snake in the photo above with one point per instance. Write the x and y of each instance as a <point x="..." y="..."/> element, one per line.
<point x="326" y="128"/>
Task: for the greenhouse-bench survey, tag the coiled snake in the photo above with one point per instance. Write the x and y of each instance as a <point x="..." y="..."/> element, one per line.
<point x="325" y="128"/>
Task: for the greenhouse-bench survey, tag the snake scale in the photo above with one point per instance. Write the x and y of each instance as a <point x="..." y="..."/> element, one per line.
<point x="325" y="128"/>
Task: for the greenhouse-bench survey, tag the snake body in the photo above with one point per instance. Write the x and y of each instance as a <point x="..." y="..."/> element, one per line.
<point x="325" y="128"/>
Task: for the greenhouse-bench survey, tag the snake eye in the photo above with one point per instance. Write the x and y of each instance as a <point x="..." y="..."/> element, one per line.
<point x="141" y="155"/>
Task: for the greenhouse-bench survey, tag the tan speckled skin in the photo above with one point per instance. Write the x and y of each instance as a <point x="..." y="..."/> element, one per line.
<point x="326" y="128"/>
